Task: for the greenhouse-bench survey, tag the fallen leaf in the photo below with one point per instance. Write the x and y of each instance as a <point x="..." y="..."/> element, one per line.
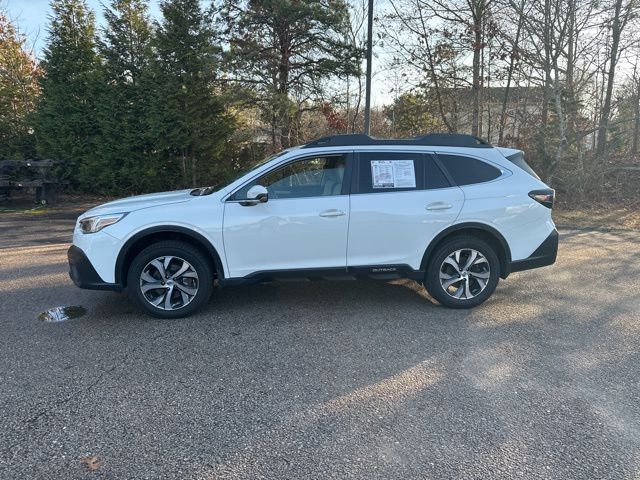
<point x="92" y="462"/>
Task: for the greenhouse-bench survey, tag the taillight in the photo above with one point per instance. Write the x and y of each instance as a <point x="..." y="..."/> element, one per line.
<point x="544" y="197"/>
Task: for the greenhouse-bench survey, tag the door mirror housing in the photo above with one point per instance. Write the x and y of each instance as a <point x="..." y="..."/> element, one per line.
<point x="256" y="194"/>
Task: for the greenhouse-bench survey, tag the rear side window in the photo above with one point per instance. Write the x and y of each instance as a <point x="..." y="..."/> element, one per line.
<point x="466" y="170"/>
<point x="518" y="160"/>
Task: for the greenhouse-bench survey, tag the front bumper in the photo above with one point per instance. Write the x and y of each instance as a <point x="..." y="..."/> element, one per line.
<point x="84" y="275"/>
<point x="544" y="255"/>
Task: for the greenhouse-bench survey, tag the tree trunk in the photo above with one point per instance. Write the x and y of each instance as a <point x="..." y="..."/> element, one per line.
<point x="572" y="110"/>
<point x="184" y="168"/>
<point x="356" y="109"/>
<point x="348" y="106"/>
<point x="283" y="86"/>
<point x="616" y="30"/>
<point x="485" y="103"/>
<point x="194" y="174"/>
<point x="636" y="125"/>
<point x="547" y="62"/>
<point x="475" y="88"/>
<point x="512" y="62"/>
<point x="598" y="94"/>
<point x="557" y="96"/>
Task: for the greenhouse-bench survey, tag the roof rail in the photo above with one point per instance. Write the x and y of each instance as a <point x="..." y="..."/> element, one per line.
<point x="433" y="139"/>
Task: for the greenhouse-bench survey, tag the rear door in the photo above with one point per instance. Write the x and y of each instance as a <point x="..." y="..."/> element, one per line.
<point x="399" y="202"/>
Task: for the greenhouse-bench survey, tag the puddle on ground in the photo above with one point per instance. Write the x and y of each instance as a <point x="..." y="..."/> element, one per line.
<point x="62" y="314"/>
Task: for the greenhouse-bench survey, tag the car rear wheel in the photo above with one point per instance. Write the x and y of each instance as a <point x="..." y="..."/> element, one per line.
<point x="170" y="280"/>
<point x="463" y="272"/>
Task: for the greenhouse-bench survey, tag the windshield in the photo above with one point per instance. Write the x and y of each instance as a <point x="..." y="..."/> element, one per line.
<point x="197" y="192"/>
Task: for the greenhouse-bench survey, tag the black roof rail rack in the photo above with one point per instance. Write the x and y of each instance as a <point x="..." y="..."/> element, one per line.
<point x="432" y="139"/>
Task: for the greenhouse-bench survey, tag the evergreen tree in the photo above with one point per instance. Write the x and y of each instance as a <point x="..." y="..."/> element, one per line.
<point x="413" y="114"/>
<point x="65" y="121"/>
<point x="122" y="146"/>
<point x="18" y="92"/>
<point x="282" y="47"/>
<point x="188" y="121"/>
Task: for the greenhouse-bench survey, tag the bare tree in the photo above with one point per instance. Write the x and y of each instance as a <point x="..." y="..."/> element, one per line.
<point x="356" y="37"/>
<point x="636" y="121"/>
<point x="623" y="12"/>
<point x="441" y="29"/>
<point x="514" y="56"/>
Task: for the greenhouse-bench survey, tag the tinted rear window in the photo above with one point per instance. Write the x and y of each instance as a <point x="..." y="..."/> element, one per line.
<point x="466" y="170"/>
<point x="518" y="160"/>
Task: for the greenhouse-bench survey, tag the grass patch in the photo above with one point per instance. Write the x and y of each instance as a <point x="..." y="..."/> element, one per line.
<point x="609" y="218"/>
<point x="37" y="210"/>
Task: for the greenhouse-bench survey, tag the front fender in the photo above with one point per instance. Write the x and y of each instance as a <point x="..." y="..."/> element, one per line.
<point x="146" y="235"/>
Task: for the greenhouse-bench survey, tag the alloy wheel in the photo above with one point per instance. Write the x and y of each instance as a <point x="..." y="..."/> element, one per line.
<point x="169" y="282"/>
<point x="464" y="274"/>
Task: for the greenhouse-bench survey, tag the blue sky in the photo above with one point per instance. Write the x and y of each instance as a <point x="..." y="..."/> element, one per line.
<point x="32" y="17"/>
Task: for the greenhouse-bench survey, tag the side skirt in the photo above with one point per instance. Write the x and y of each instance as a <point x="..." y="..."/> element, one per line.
<point x="370" y="272"/>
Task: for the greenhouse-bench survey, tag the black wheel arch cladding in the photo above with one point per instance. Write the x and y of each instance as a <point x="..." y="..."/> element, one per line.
<point x="484" y="232"/>
<point x="147" y="237"/>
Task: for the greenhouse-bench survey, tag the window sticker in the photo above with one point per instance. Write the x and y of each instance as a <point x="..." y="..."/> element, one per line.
<point x="393" y="174"/>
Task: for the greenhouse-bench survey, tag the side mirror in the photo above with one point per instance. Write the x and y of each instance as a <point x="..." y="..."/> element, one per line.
<point x="256" y="194"/>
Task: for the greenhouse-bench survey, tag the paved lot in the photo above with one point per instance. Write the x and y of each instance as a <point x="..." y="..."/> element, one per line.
<point x="324" y="380"/>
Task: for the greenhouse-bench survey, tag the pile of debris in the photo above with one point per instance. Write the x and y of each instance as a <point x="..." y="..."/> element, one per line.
<point x="31" y="175"/>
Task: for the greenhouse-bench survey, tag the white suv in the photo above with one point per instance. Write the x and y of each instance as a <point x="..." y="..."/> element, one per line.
<point x="449" y="211"/>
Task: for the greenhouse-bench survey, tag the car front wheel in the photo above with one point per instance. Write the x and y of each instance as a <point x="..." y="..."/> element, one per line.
<point x="170" y="279"/>
<point x="463" y="272"/>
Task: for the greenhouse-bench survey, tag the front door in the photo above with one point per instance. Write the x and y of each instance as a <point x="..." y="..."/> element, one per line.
<point x="303" y="225"/>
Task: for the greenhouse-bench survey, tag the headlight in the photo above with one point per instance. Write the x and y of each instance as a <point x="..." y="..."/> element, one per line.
<point x="98" y="222"/>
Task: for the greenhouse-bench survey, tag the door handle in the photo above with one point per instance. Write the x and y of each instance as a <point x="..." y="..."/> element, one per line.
<point x="332" y="213"/>
<point x="439" y="206"/>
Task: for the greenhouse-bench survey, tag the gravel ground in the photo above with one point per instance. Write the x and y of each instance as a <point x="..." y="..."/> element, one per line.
<point x="323" y="380"/>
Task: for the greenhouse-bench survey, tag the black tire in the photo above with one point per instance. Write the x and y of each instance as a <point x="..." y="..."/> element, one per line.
<point x="449" y="247"/>
<point x="202" y="283"/>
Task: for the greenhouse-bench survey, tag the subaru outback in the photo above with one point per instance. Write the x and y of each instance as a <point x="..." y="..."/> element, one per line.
<point x="449" y="211"/>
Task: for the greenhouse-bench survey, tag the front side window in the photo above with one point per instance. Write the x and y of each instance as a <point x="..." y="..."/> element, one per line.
<point x="308" y="177"/>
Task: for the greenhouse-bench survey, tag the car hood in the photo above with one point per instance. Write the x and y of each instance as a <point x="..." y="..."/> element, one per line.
<point x="138" y="202"/>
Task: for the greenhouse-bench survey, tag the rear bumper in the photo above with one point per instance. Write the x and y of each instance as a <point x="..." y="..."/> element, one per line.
<point x="544" y="255"/>
<point x="84" y="275"/>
